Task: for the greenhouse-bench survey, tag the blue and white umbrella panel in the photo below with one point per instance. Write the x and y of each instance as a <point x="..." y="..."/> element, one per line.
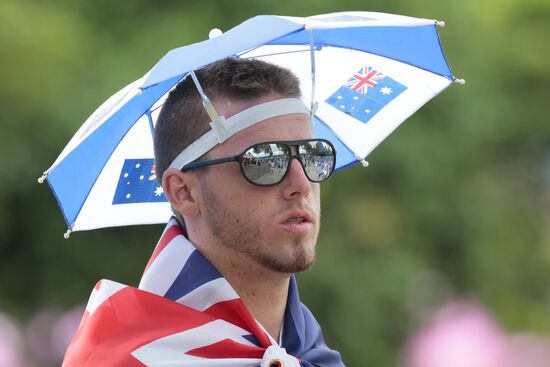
<point x="365" y="73"/>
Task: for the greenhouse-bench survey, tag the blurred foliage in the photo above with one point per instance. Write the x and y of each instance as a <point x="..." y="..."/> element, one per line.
<point x="455" y="203"/>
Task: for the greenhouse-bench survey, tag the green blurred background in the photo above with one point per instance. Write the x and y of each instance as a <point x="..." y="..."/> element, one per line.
<point x="456" y="203"/>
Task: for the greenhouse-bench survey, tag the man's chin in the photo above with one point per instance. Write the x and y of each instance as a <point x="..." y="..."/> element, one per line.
<point x="304" y="266"/>
<point x="288" y="267"/>
<point x="299" y="260"/>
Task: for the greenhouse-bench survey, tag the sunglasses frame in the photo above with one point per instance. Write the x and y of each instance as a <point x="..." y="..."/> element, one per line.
<point x="240" y="157"/>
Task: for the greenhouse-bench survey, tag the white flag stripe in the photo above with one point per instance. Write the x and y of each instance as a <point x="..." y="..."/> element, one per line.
<point x="172" y="348"/>
<point x="202" y="362"/>
<point x="107" y="288"/>
<point x="201" y="298"/>
<point x="167" y="266"/>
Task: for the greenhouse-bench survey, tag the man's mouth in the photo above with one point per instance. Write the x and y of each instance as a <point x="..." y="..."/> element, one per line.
<point x="295" y="219"/>
<point x="298" y="222"/>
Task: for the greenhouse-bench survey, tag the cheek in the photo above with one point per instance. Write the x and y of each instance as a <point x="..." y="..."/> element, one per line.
<point x="225" y="179"/>
<point x="253" y="204"/>
<point x="251" y="201"/>
<point x="237" y="193"/>
<point x="316" y="196"/>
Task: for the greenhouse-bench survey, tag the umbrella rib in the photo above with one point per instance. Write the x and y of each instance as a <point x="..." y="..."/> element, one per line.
<point x="312" y="54"/>
<point x="151" y="124"/>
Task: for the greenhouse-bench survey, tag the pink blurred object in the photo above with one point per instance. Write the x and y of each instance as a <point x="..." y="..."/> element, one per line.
<point x="49" y="333"/>
<point x="530" y="350"/>
<point x="38" y="335"/>
<point x="64" y="330"/>
<point x="460" y="335"/>
<point x="11" y="343"/>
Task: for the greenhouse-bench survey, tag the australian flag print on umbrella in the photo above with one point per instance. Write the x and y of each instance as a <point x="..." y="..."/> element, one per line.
<point x="138" y="183"/>
<point x="365" y="94"/>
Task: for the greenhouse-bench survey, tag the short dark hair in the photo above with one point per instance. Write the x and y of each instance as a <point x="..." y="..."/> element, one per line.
<point x="183" y="119"/>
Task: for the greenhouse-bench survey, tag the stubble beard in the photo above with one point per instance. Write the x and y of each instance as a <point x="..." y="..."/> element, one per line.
<point x="240" y="233"/>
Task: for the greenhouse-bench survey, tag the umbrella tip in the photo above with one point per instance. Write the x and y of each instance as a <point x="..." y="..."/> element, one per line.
<point x="214" y="32"/>
<point x="440" y="23"/>
<point x="459" y="81"/>
<point x="42" y="178"/>
<point x="67" y="234"/>
<point x="364" y="163"/>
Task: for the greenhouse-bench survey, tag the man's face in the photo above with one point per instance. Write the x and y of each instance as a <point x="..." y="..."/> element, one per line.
<point x="263" y="223"/>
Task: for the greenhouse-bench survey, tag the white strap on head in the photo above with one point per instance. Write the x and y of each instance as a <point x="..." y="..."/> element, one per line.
<point x="223" y="129"/>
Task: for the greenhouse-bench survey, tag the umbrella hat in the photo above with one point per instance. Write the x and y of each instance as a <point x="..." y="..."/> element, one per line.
<point x="362" y="73"/>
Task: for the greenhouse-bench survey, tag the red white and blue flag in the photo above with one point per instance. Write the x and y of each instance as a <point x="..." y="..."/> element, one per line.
<point x="184" y="313"/>
<point x="365" y="94"/>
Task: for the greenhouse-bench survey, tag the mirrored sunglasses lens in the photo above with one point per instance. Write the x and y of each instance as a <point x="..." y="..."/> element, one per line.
<point x="318" y="160"/>
<point x="265" y="164"/>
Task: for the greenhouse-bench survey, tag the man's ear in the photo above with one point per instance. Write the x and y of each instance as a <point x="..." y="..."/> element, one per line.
<point x="183" y="191"/>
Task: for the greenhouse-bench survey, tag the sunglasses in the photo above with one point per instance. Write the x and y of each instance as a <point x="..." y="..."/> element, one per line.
<point x="267" y="164"/>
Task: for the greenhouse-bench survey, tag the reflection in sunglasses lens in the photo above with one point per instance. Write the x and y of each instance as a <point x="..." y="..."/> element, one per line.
<point x="318" y="160"/>
<point x="265" y="164"/>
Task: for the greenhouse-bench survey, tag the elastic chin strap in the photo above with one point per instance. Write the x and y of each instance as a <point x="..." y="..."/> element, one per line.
<point x="223" y="129"/>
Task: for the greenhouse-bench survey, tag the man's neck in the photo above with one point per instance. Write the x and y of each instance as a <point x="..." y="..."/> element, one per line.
<point x="265" y="297"/>
<point x="263" y="291"/>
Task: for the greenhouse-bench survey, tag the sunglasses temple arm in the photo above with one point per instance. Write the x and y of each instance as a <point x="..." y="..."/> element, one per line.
<point x="210" y="162"/>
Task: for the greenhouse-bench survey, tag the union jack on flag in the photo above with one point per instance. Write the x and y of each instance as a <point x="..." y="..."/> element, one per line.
<point x="184" y="313"/>
<point x="366" y="77"/>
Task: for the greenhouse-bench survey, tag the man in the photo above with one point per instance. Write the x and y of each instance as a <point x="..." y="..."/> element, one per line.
<point x="242" y="175"/>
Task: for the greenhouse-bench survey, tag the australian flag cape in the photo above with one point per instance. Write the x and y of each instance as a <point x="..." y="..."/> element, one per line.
<point x="184" y="313"/>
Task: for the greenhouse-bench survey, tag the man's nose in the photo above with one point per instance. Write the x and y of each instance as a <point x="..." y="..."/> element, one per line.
<point x="296" y="182"/>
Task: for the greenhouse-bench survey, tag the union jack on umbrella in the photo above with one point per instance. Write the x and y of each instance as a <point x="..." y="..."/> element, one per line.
<point x="366" y="77"/>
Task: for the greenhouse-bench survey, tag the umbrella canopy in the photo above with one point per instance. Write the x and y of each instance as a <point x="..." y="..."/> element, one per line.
<point x="363" y="74"/>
